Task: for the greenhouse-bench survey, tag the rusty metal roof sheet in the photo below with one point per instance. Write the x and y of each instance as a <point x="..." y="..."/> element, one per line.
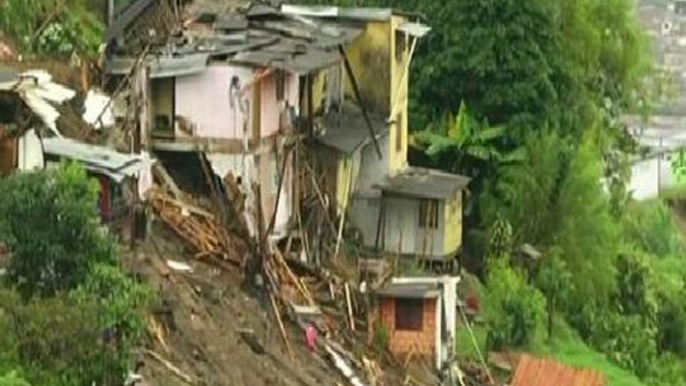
<point x="547" y="372"/>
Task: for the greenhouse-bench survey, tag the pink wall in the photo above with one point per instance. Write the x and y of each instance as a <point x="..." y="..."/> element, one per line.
<point x="204" y="100"/>
<point x="271" y="107"/>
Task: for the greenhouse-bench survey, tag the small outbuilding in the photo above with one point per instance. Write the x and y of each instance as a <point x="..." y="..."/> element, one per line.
<point x="419" y="316"/>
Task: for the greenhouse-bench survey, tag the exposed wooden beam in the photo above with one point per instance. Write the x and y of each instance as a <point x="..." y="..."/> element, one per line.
<point x="356" y="90"/>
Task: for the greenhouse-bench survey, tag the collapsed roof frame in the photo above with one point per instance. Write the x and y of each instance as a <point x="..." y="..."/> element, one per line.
<point x="299" y="39"/>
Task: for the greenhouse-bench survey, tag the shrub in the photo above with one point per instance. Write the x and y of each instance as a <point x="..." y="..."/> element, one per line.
<point x="514" y="309"/>
<point x="628" y="341"/>
<point x="49" y="221"/>
<point x="672" y="324"/>
<point x="12" y="379"/>
<point x="555" y="282"/>
<point x="651" y="227"/>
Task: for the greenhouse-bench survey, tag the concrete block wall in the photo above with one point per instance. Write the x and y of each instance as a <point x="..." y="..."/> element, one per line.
<point x="422" y="343"/>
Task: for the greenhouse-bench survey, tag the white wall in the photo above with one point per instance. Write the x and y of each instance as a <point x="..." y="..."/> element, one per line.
<point x="647" y="174"/>
<point x="402" y="233"/>
<point x="263" y="170"/>
<point x="30" y="152"/>
<point x="372" y="169"/>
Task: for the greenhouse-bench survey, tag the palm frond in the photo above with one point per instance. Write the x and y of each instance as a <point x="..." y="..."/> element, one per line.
<point x="517" y="155"/>
<point x="489" y="133"/>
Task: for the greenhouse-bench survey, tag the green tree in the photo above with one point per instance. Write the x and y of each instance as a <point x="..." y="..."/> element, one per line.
<point x="514" y="310"/>
<point x="587" y="233"/>
<point x="555" y="282"/>
<point x="463" y="144"/>
<point x="526" y="193"/>
<point x="50" y="223"/>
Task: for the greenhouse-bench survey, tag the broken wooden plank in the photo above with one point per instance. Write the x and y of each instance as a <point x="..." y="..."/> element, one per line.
<point x="284" y="335"/>
<point x="173" y="369"/>
<point x="348" y="302"/>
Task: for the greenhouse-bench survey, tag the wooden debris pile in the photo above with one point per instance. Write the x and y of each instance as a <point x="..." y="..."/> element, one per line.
<point x="196" y="226"/>
<point x="203" y="231"/>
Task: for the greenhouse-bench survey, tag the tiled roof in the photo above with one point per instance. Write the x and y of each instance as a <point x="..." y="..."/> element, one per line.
<point x="547" y="372"/>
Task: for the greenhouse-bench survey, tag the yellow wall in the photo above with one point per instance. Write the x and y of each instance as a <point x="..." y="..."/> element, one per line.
<point x="369" y="57"/>
<point x="379" y="68"/>
<point x="344" y="182"/>
<point x="453" y="224"/>
<point x="398" y="98"/>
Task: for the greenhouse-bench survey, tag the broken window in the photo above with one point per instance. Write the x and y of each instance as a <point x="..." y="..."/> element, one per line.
<point x="428" y="214"/>
<point x="409" y="314"/>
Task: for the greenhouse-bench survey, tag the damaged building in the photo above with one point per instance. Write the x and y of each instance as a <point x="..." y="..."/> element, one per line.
<point x="30" y="140"/>
<point x="20" y="146"/>
<point x="245" y="84"/>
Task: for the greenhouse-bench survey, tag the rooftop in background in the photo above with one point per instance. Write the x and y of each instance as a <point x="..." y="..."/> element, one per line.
<point x="544" y="372"/>
<point x="424" y="183"/>
<point x="347" y="131"/>
<point x="295" y="38"/>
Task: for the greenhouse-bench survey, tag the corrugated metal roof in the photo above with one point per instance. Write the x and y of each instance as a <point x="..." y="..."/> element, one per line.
<point x="95" y="158"/>
<point x="362" y="14"/>
<point x="299" y="39"/>
<point x="410" y="291"/>
<point x="424" y="183"/>
<point x="165" y="67"/>
<point x="161" y="66"/>
<point x="547" y="372"/>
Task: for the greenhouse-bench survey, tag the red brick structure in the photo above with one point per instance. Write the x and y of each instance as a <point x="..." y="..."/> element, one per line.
<point x="409" y="314"/>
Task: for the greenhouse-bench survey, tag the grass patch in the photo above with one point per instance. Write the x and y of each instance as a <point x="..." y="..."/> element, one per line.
<point x="464" y="344"/>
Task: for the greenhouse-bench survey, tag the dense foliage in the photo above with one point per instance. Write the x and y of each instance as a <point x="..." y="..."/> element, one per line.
<point x="69" y="316"/>
<point x="54" y="28"/>
<point x="53" y="230"/>
<point x="514" y="309"/>
<point x="548" y="80"/>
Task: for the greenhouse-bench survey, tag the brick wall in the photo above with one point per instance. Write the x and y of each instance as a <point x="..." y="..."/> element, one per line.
<point x="403" y="342"/>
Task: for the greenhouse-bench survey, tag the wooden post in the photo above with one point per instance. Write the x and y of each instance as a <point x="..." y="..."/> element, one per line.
<point x="310" y="105"/>
<point x="358" y="96"/>
<point x="350" y="307"/>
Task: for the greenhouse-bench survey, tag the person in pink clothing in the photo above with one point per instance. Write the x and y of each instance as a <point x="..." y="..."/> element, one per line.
<point x="311" y="337"/>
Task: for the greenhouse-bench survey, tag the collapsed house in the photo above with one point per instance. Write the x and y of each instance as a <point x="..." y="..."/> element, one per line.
<point x="245" y="84"/>
<point x="25" y="108"/>
<point x="30" y="140"/>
